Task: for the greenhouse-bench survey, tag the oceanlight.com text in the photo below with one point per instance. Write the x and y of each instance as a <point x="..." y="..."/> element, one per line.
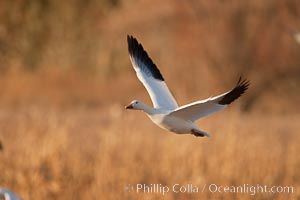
<point x="249" y="189"/>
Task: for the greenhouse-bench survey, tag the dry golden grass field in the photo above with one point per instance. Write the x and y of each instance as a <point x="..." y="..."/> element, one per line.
<point x="66" y="77"/>
<point x="95" y="149"/>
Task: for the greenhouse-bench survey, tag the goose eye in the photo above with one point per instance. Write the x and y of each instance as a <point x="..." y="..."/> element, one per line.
<point x="136" y="102"/>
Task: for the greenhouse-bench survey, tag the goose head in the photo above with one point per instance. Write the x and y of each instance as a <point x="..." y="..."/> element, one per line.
<point x="136" y="105"/>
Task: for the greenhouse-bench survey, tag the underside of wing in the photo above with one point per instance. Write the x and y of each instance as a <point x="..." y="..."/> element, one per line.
<point x="211" y="105"/>
<point x="150" y="76"/>
<point x="197" y="110"/>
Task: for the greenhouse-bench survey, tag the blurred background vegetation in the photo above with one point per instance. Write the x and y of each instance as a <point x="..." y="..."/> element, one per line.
<point x="43" y="33"/>
<point x="63" y="65"/>
<point x="214" y="41"/>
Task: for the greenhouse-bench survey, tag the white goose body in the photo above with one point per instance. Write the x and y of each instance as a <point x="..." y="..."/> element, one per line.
<point x="166" y="113"/>
<point x="173" y="124"/>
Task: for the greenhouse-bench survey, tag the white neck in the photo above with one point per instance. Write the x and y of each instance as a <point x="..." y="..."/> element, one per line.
<point x="148" y="110"/>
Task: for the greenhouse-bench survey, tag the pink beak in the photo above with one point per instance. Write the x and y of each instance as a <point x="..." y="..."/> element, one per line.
<point x="129" y="106"/>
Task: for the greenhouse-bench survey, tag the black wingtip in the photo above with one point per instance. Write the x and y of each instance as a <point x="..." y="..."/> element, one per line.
<point x="137" y="51"/>
<point x="240" y="88"/>
<point x="131" y="43"/>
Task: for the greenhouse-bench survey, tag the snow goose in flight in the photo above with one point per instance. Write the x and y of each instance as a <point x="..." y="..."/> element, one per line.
<point x="166" y="112"/>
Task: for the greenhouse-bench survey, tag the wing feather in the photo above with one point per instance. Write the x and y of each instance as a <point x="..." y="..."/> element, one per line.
<point x="211" y="105"/>
<point x="150" y="76"/>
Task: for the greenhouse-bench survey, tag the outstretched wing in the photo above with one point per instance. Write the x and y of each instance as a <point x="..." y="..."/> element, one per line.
<point x="150" y="76"/>
<point x="208" y="106"/>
